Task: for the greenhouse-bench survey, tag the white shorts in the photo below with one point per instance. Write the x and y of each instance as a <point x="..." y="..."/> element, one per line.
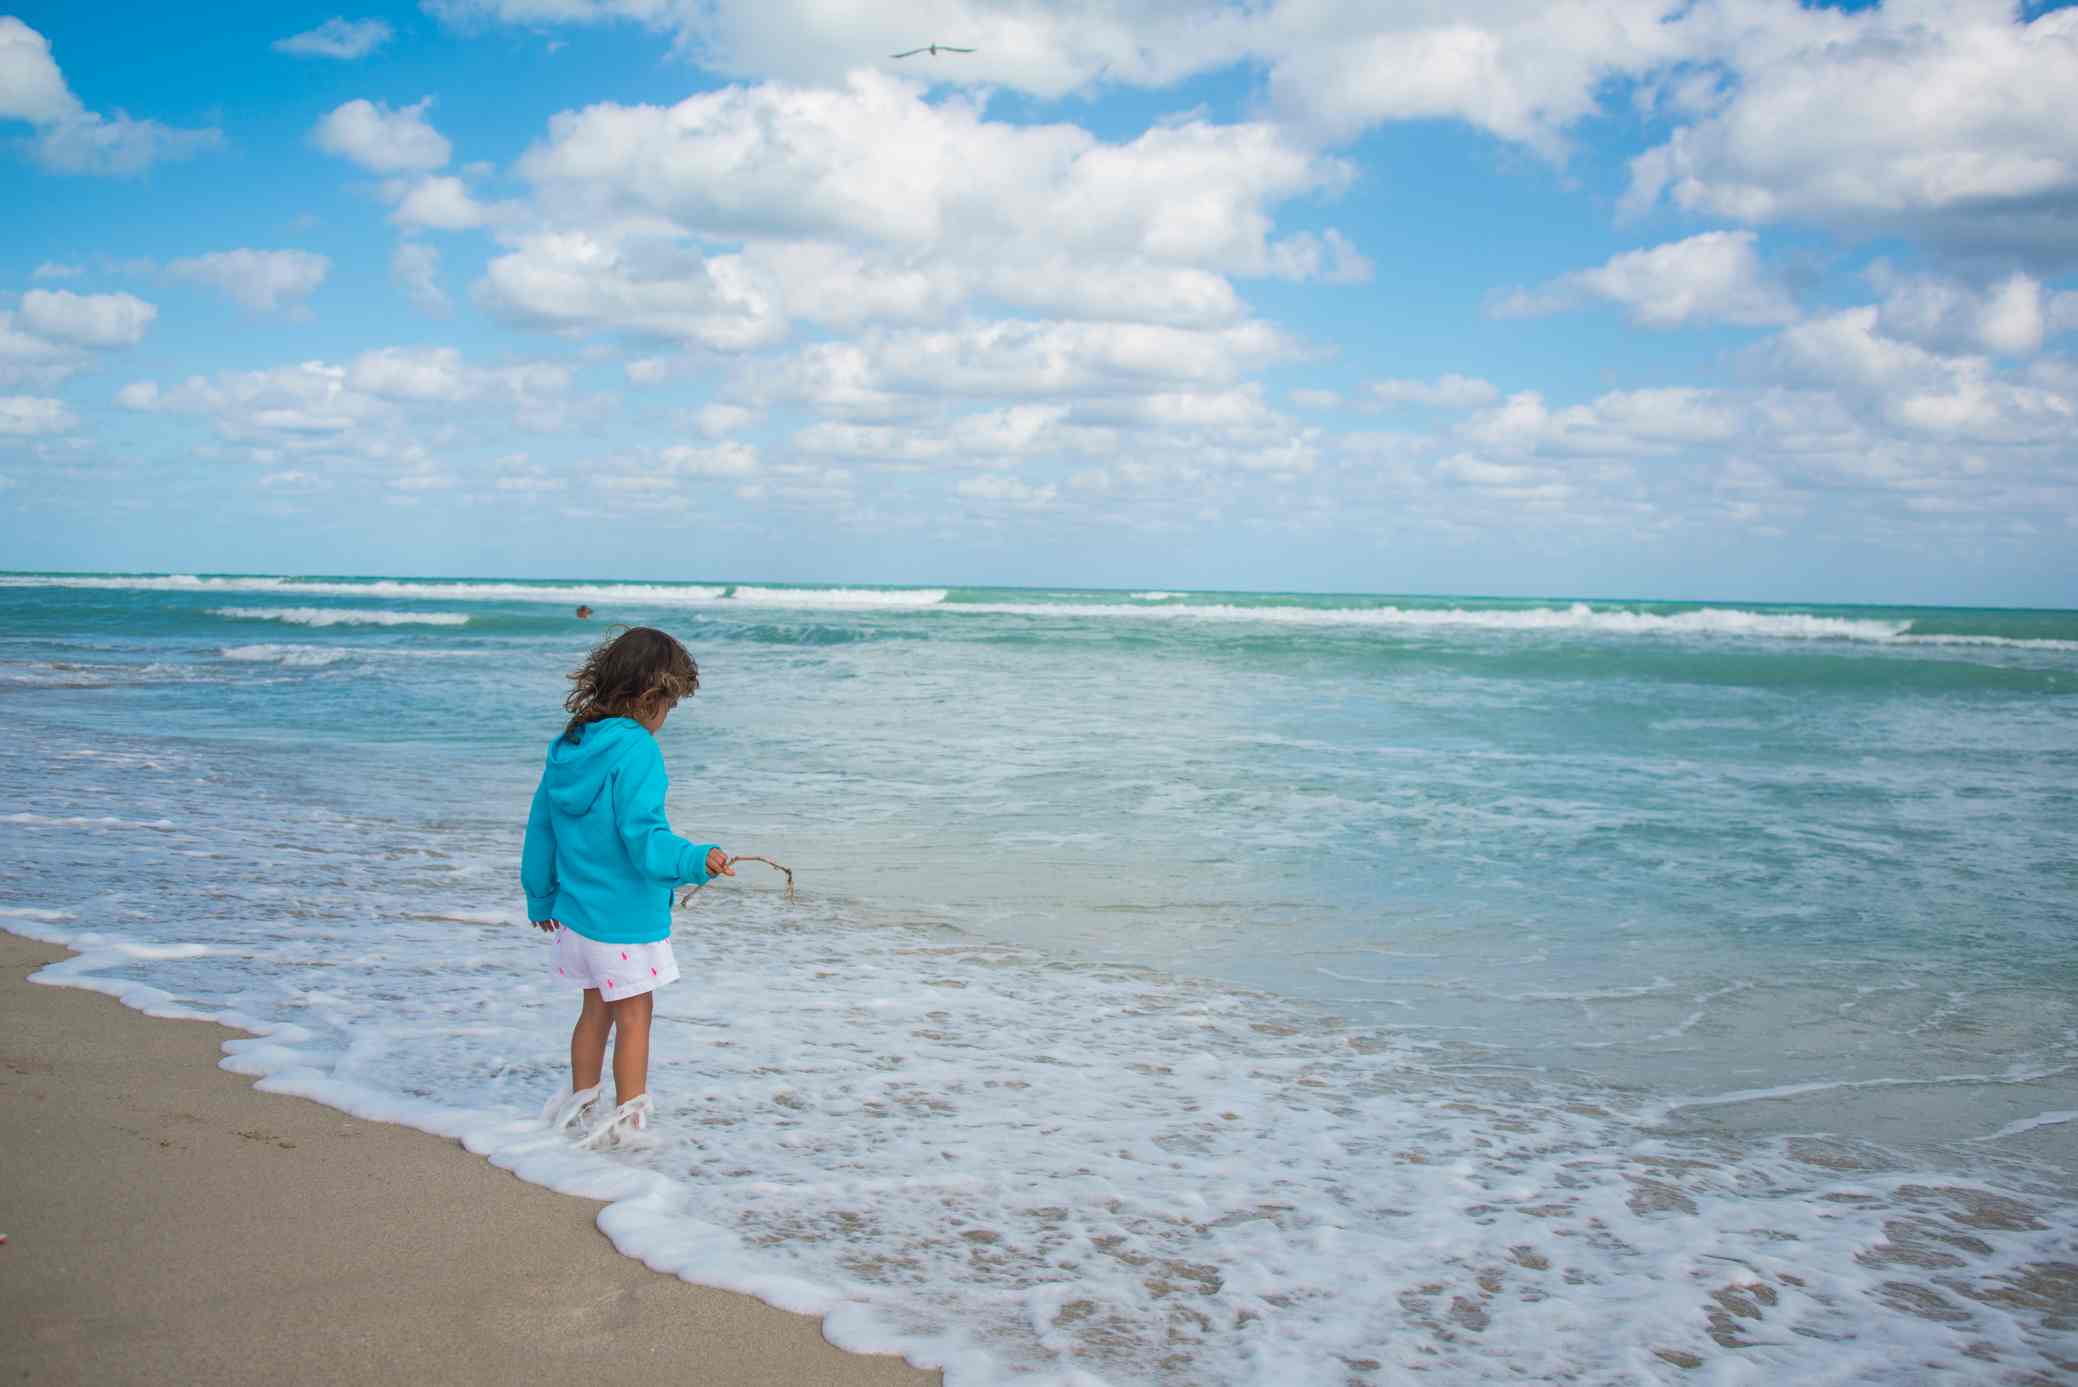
<point x="616" y="970"/>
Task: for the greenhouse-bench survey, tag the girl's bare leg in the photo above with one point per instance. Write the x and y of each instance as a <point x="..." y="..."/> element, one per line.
<point x="588" y="1042"/>
<point x="630" y="1045"/>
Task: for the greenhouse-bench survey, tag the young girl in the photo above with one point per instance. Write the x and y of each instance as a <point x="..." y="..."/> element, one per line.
<point x="600" y="865"/>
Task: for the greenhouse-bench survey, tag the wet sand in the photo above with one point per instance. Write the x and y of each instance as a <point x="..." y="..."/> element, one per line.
<point x="166" y="1222"/>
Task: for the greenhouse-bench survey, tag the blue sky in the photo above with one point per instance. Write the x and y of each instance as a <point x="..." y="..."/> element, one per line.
<point x="1717" y="299"/>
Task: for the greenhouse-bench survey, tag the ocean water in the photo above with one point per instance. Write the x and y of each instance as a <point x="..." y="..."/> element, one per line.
<point x="1182" y="988"/>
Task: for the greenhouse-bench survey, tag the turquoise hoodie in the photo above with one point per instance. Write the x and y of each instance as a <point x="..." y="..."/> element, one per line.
<point x="599" y="855"/>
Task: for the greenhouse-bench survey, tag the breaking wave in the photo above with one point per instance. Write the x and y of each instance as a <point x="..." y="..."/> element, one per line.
<point x="342" y="616"/>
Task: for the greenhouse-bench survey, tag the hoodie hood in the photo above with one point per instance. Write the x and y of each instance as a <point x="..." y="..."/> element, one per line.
<point x="577" y="773"/>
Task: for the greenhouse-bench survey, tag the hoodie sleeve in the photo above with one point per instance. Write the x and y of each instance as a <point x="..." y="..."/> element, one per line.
<point x="638" y="813"/>
<point x="538" y="857"/>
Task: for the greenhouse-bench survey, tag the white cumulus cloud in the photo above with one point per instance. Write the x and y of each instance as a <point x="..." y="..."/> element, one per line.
<point x="1450" y="391"/>
<point x="720" y="420"/>
<point x="874" y="161"/>
<point x="868" y="202"/>
<point x="1946" y="116"/>
<point x="1713" y="277"/>
<point x="439" y="202"/>
<point x="1920" y="392"/>
<point x="378" y="407"/>
<point x="415" y="268"/>
<point x="1521" y="71"/>
<point x="1012" y="359"/>
<point x="32" y="415"/>
<point x="262" y="280"/>
<point x="86" y="320"/>
<point x="577" y="280"/>
<point x="70" y="138"/>
<point x="442" y="374"/>
<point x="382" y="139"/>
<point x="723" y="459"/>
<point x="1473" y="471"/>
<point x="29" y="359"/>
<point x="1621" y="423"/>
<point x="31" y="87"/>
<point x="53" y="335"/>
<point x="2010" y="316"/>
<point x="337" y="38"/>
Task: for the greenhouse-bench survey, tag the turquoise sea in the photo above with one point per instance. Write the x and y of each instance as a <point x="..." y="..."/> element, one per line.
<point x="1183" y="987"/>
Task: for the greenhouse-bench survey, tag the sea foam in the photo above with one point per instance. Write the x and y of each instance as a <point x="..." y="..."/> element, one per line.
<point x="1024" y="1172"/>
<point x="403" y="589"/>
<point x="97" y="823"/>
<point x="342" y="616"/>
<point x="1578" y="617"/>
<point x="293" y="656"/>
<point x="838" y="598"/>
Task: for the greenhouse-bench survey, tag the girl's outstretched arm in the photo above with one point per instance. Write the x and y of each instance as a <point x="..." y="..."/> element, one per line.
<point x="638" y="812"/>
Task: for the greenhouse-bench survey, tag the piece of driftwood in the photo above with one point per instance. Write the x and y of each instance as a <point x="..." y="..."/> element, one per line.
<point x="746" y="857"/>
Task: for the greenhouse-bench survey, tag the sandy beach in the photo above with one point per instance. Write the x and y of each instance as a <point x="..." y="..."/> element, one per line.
<point x="166" y="1222"/>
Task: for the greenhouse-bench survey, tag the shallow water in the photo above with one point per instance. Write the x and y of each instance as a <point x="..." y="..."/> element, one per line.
<point x="1183" y="988"/>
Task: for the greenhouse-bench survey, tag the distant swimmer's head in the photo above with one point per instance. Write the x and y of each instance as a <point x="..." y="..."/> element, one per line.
<point x="583" y="613"/>
<point x="640" y="673"/>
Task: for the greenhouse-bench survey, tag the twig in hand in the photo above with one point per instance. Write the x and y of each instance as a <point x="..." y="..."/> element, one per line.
<point x="746" y="857"/>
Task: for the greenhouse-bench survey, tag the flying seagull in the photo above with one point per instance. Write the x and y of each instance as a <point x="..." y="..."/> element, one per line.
<point x="934" y="49"/>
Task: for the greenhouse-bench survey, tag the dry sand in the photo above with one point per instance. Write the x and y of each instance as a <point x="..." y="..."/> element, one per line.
<point x="167" y="1223"/>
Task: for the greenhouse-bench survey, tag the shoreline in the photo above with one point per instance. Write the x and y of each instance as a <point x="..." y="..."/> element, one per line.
<point x="167" y="1221"/>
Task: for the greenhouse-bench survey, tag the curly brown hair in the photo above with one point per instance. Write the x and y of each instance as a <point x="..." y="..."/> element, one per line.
<point x="628" y="674"/>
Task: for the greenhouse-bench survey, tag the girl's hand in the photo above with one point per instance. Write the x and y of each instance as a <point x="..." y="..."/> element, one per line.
<point x="549" y="925"/>
<point x="718" y="864"/>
